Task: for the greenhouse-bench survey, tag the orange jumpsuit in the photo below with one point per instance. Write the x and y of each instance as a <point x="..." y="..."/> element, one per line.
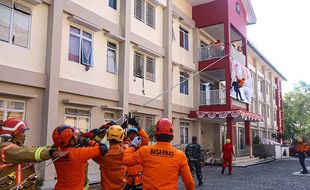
<point x="112" y="168"/>
<point x="136" y="171"/>
<point x="71" y="168"/>
<point x="228" y="152"/>
<point x="162" y="164"/>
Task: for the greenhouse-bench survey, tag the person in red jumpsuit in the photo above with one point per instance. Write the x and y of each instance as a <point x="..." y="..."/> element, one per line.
<point x="228" y="154"/>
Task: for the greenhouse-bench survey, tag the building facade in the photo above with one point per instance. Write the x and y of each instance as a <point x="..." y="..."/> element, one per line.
<point x="84" y="63"/>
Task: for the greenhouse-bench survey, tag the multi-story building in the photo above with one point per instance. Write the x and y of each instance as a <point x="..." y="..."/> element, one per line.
<point x="84" y="63"/>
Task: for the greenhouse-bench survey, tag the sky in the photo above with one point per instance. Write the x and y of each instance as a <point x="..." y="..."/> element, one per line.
<point x="282" y="34"/>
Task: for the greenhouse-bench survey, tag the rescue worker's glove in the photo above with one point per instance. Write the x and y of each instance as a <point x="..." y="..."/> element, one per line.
<point x="107" y="125"/>
<point x="136" y="142"/>
<point x="55" y="153"/>
<point x="95" y="134"/>
<point x="132" y="121"/>
<point x="83" y="141"/>
<point x="103" y="148"/>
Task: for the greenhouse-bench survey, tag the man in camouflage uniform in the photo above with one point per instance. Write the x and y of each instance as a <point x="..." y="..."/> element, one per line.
<point x="195" y="158"/>
<point x="16" y="167"/>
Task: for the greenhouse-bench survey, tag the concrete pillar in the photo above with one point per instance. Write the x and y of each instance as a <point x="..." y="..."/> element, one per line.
<point x="52" y="69"/>
<point x="248" y="138"/>
<point x="167" y="68"/>
<point x="230" y="129"/>
<point x="124" y="56"/>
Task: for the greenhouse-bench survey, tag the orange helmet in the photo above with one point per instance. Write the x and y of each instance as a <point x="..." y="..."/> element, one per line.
<point x="164" y="126"/>
<point x="13" y="126"/>
<point x="62" y="135"/>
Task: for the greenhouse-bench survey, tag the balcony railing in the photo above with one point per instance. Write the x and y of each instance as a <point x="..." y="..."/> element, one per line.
<point x="211" y="52"/>
<point x="212" y="97"/>
<point x="237" y="55"/>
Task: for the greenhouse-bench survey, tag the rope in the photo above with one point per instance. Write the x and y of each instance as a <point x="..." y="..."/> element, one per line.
<point x="134" y="111"/>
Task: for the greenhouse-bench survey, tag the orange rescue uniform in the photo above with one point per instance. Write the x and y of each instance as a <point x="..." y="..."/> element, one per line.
<point x="137" y="170"/>
<point x="112" y="168"/>
<point x="302" y="147"/>
<point x="162" y="165"/>
<point x="228" y="152"/>
<point x="71" y="168"/>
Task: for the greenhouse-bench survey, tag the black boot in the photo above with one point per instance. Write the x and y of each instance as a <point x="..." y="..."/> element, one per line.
<point x="200" y="183"/>
<point x="223" y="169"/>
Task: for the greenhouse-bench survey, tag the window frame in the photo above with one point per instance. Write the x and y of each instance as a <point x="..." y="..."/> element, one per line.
<point x="185" y="37"/>
<point x="81" y="38"/>
<point x="109" y="48"/>
<point x="184" y="129"/>
<point x="114" y="3"/>
<point x="184" y="76"/>
<point x="145" y="58"/>
<point x="78" y="116"/>
<point x="147" y="5"/>
<point x="5" y="108"/>
<point x="12" y="10"/>
<point x="106" y="120"/>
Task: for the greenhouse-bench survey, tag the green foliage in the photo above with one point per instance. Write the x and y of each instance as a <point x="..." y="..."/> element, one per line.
<point x="297" y="112"/>
<point x="256" y="140"/>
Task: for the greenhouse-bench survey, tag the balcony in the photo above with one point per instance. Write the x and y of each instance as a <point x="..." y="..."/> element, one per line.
<point x="211" y="52"/>
<point x="212" y="97"/>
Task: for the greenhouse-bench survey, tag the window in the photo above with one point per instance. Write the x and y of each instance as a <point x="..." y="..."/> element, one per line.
<point x="111" y="58"/>
<point x="267" y="91"/>
<point x="144" y="64"/>
<point x="109" y="116"/>
<point x="145" y="121"/>
<point x="145" y="12"/>
<point x="268" y="111"/>
<point x="14" y="23"/>
<point x="139" y="10"/>
<point x="138" y="65"/>
<point x="184" y="132"/>
<point x="11" y="109"/>
<point x="183" y="38"/>
<point x="150" y="15"/>
<point x="80" y="46"/>
<point x="150" y="69"/>
<point x="113" y="4"/>
<point x="79" y="118"/>
<point x="184" y="85"/>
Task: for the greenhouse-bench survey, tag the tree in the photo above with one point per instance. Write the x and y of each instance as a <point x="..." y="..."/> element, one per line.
<point x="297" y="111"/>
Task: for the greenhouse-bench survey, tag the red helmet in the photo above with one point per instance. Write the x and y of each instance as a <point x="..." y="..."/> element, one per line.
<point x="13" y="126"/>
<point x="164" y="126"/>
<point x="62" y="135"/>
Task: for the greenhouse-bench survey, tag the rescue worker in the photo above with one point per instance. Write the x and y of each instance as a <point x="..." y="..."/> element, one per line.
<point x="15" y="160"/>
<point x="70" y="169"/>
<point x="112" y="168"/>
<point x="162" y="163"/>
<point x="195" y="158"/>
<point x="302" y="149"/>
<point x="134" y="173"/>
<point x="228" y="154"/>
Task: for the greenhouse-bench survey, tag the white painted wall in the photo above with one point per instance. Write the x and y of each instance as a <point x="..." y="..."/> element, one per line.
<point x="32" y="58"/>
<point x="97" y="75"/>
<point x="151" y="88"/>
<point x="101" y="8"/>
<point x="154" y="35"/>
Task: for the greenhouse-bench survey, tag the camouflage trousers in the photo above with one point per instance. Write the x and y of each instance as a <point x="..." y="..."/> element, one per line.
<point x="195" y="166"/>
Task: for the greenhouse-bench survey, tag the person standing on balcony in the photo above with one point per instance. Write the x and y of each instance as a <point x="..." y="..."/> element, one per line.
<point x="228" y="154"/>
<point x="218" y="48"/>
<point x="302" y="149"/>
<point x="195" y="158"/>
<point x="236" y="86"/>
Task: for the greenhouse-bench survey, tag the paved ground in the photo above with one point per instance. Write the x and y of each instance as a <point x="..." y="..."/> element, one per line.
<point x="277" y="175"/>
